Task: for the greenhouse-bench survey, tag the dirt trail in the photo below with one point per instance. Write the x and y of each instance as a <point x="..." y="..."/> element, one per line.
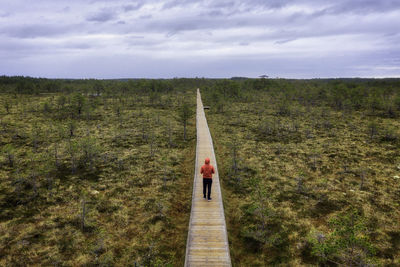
<point x="207" y="243"/>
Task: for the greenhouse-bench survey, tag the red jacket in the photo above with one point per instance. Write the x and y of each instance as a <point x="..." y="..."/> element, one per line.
<point x="207" y="169"/>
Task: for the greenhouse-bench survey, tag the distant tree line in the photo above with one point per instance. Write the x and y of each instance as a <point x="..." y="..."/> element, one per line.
<point x="380" y="96"/>
<point x="28" y="85"/>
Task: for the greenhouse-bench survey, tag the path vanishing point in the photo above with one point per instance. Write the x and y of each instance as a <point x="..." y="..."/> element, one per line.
<point x="207" y="242"/>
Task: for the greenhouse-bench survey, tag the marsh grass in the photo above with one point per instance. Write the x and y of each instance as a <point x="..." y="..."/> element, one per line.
<point x="95" y="179"/>
<point x="304" y="168"/>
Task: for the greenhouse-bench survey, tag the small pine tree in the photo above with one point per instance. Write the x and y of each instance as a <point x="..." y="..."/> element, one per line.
<point x="185" y="112"/>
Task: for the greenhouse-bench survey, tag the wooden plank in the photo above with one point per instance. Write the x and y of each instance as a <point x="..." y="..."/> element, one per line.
<point x="207" y="243"/>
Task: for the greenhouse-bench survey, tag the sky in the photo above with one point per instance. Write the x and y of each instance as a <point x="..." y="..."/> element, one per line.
<point x="203" y="38"/>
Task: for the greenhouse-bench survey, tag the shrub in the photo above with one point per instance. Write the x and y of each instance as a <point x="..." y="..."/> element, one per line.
<point x="61" y="101"/>
<point x="372" y="129"/>
<point x="78" y="103"/>
<point x="90" y="152"/>
<point x="283" y="108"/>
<point x="9" y="153"/>
<point x="389" y="135"/>
<point x="46" y="107"/>
<point x="397" y="102"/>
<point x="348" y="244"/>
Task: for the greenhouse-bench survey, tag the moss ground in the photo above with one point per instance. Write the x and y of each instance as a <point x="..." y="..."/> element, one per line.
<point x="96" y="173"/>
<point x="126" y="168"/>
<point x="287" y="175"/>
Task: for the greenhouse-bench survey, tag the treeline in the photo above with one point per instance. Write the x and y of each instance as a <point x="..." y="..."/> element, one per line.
<point x="380" y="96"/>
<point x="28" y="85"/>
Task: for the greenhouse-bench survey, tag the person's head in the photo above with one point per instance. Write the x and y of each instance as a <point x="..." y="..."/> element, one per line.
<point x="207" y="161"/>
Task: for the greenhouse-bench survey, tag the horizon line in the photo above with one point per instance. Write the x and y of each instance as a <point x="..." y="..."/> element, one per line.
<point x="196" y="77"/>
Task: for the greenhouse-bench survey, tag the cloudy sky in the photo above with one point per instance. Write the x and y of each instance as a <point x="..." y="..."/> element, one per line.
<point x="203" y="38"/>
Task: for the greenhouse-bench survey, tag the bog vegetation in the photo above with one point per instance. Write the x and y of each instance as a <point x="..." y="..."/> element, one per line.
<point x="310" y="170"/>
<point x="95" y="173"/>
<point x="99" y="173"/>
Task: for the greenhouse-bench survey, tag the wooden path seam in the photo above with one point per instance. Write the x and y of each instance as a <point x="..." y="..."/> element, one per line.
<point x="207" y="241"/>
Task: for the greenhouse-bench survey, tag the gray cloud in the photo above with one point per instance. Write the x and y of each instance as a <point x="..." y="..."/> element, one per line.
<point x="36" y="30"/>
<point x="146" y="16"/>
<point x="364" y="6"/>
<point x="131" y="7"/>
<point x="4" y="14"/>
<point x="280" y="37"/>
<point x="175" y="3"/>
<point x="80" y="46"/>
<point x="102" y="16"/>
<point x="285" y="41"/>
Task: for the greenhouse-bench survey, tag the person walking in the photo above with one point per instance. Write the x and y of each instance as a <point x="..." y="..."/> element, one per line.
<point x="207" y="170"/>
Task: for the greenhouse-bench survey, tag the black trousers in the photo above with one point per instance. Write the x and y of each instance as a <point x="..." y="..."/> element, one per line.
<point x="207" y="182"/>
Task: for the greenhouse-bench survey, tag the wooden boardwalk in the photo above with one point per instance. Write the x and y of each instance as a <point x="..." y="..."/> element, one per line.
<point x="207" y="243"/>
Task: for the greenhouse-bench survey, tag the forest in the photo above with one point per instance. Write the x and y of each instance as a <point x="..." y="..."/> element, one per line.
<point x="100" y="172"/>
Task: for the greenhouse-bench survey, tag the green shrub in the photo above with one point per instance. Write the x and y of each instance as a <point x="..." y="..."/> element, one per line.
<point x="347" y="244"/>
<point x="9" y="154"/>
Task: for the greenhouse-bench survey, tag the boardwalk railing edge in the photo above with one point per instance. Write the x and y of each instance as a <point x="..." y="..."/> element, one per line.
<point x="194" y="186"/>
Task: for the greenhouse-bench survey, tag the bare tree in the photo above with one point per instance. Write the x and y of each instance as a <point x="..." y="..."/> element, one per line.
<point x="7" y="106"/>
<point x="83" y="213"/>
<point x="300" y="187"/>
<point x="372" y="129"/>
<point x="170" y="143"/>
<point x="71" y="128"/>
